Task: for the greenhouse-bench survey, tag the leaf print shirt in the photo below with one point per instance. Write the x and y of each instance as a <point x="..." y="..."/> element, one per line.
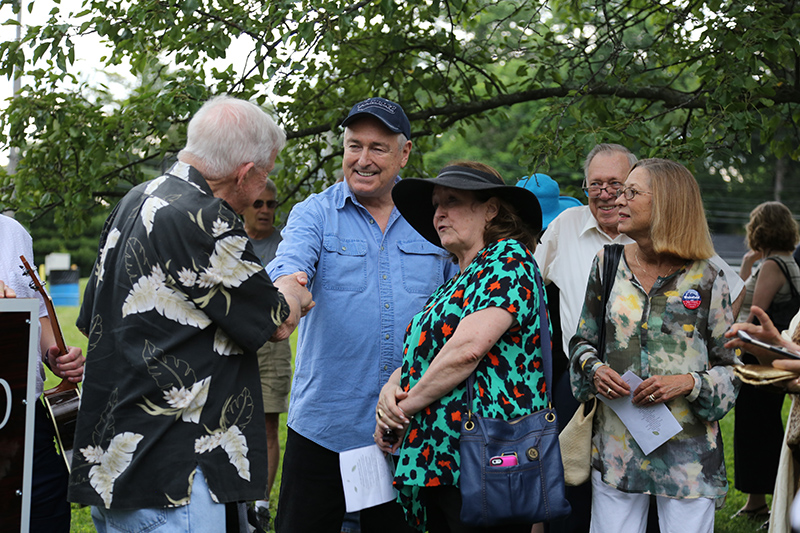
<point x="175" y="308"/>
<point x="661" y="333"/>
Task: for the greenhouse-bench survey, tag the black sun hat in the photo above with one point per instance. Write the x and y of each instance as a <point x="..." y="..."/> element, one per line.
<point x="413" y="198"/>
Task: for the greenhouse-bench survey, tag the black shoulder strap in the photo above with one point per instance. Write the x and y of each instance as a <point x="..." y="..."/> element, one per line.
<point x="546" y="348"/>
<point x="612" y="253"/>
<point x="786" y="274"/>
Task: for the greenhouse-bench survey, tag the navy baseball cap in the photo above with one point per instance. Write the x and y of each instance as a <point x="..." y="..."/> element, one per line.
<point x="391" y="114"/>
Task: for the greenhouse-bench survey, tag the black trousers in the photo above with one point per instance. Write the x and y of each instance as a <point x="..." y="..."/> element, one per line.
<point x="757" y="437"/>
<point x="443" y="506"/>
<point x="312" y="498"/>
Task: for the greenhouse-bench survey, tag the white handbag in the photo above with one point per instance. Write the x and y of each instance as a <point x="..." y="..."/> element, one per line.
<point x="576" y="445"/>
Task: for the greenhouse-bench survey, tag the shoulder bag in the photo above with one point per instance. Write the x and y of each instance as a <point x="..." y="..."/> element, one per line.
<point x="511" y="471"/>
<point x="576" y="437"/>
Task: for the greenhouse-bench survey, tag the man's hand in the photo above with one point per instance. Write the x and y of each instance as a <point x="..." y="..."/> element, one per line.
<point x="6" y="292"/>
<point x="293" y="288"/>
<point x="69" y="365"/>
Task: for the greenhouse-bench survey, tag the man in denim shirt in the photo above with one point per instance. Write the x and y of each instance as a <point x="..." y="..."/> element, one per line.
<point x="369" y="272"/>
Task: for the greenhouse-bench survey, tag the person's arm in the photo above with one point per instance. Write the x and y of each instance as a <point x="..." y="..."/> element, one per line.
<point x="474" y="336"/>
<point x="588" y="374"/>
<point x="546" y="250"/>
<point x="69" y="365"/>
<point x="737" y="303"/>
<point x="765" y="332"/>
<point x="748" y="261"/>
<point x="293" y="288"/>
<point x="770" y="280"/>
<point x="715" y="389"/>
<point x="301" y="244"/>
<point x="387" y="412"/>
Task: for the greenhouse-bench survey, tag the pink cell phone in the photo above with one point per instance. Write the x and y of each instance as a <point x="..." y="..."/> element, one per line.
<point x="503" y="460"/>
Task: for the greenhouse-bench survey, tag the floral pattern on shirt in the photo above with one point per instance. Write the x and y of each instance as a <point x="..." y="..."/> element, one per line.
<point x="657" y="334"/>
<point x="175" y="292"/>
<point x="509" y="379"/>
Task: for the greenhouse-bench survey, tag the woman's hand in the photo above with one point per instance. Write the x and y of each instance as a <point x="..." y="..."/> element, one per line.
<point x="389" y="440"/>
<point x="608" y="383"/>
<point x="750" y="257"/>
<point x="661" y="389"/>
<point x="766" y="332"/>
<point x="388" y="415"/>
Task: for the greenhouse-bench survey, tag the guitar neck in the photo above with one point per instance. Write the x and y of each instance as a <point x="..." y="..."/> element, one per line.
<point x="54" y="325"/>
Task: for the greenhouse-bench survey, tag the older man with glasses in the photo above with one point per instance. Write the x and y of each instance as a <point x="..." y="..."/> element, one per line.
<point x="565" y="257"/>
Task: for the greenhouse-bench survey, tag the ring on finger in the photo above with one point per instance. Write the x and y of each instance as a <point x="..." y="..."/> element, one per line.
<point x="380" y="413"/>
<point x="651" y="398"/>
<point x="609" y="391"/>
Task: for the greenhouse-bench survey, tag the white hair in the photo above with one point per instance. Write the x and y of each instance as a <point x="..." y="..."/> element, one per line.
<point x="227" y="132"/>
<point x="607" y="148"/>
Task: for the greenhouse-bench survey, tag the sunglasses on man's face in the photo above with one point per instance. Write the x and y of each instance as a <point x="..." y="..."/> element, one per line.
<point x="271" y="204"/>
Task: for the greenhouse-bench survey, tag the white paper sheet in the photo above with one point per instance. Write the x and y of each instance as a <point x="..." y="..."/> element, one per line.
<point x="366" y="477"/>
<point x="651" y="425"/>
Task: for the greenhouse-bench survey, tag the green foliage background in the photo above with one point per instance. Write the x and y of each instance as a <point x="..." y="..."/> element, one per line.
<point x="523" y="85"/>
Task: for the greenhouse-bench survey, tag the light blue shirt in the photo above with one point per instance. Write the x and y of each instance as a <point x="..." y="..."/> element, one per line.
<point x="367" y="285"/>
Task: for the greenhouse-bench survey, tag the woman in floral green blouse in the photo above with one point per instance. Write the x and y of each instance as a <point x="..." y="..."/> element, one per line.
<point x="484" y="320"/>
<point x="665" y="320"/>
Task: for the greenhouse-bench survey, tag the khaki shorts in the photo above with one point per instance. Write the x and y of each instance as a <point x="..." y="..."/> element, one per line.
<point x="275" y="367"/>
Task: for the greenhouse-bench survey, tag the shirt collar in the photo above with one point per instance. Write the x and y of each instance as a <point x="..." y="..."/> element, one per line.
<point x="190" y="174"/>
<point x="344" y="192"/>
<point x="592" y="225"/>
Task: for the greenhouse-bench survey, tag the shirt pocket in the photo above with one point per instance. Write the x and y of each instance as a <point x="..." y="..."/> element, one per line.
<point x="679" y="321"/>
<point x="422" y="264"/>
<point x="344" y="264"/>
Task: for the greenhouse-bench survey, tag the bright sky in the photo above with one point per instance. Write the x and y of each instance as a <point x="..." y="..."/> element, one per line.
<point x="88" y="50"/>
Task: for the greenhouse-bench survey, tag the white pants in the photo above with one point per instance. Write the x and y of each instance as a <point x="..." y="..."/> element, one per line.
<point x="614" y="511"/>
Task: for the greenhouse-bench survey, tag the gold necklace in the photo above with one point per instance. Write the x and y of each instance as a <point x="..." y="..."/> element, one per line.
<point x="636" y="253"/>
<point x="644" y="270"/>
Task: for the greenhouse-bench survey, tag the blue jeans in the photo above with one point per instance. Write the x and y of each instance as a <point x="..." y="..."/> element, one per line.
<point x="201" y="515"/>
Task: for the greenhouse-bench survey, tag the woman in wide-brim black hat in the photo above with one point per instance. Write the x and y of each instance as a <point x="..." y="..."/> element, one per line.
<point x="484" y="320"/>
<point x="520" y="205"/>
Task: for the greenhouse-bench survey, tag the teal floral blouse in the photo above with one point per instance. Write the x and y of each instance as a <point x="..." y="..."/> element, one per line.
<point x="509" y="380"/>
<point x="675" y="329"/>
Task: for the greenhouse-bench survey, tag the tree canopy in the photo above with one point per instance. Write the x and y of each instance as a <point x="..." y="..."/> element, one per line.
<point x="694" y="80"/>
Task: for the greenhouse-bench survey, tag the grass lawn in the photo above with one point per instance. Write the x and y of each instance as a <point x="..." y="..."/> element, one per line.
<point x="82" y="522"/>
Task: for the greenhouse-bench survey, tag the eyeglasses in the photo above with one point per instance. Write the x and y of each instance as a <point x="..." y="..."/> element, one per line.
<point x="630" y="193"/>
<point x="271" y="204"/>
<point x="594" y="190"/>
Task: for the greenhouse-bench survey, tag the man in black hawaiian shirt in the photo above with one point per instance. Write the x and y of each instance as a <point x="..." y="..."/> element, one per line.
<point x="170" y="424"/>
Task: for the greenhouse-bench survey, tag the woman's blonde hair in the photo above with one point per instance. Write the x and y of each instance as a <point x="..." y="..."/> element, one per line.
<point x="772" y="228"/>
<point x="678" y="225"/>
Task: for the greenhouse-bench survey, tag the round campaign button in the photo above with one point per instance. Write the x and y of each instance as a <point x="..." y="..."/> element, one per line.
<point x="691" y="299"/>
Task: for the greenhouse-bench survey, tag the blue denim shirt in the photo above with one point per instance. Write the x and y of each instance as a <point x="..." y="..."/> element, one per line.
<point x="367" y="285"/>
